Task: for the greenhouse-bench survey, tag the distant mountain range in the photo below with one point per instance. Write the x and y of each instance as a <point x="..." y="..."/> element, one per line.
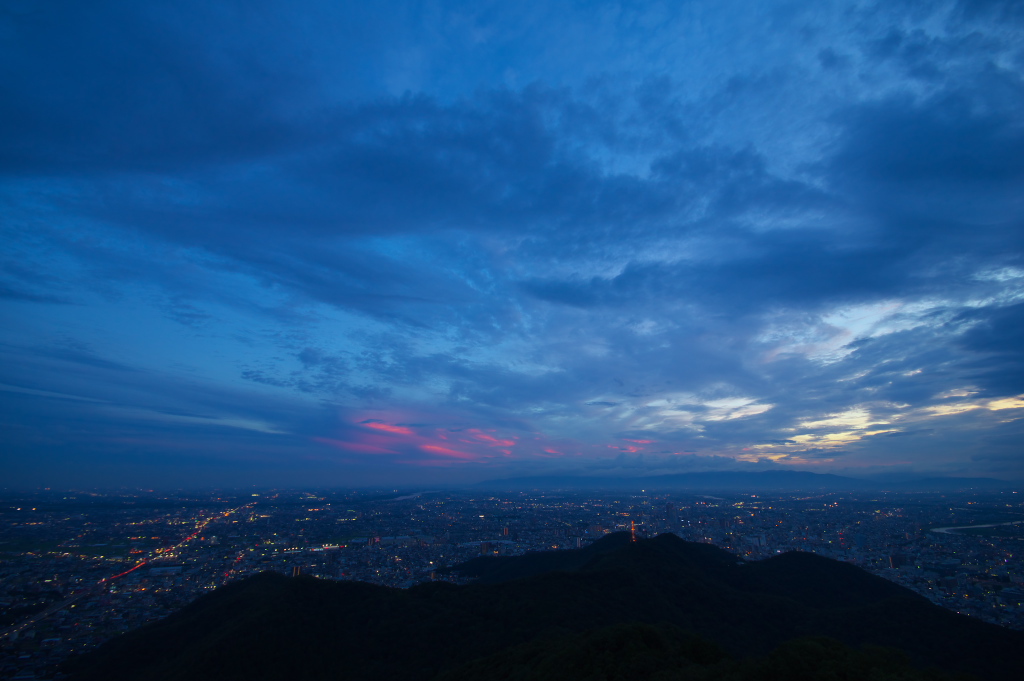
<point x="746" y="481"/>
<point x="660" y="608"/>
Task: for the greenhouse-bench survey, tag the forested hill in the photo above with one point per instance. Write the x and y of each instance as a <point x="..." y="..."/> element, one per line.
<point x="616" y="609"/>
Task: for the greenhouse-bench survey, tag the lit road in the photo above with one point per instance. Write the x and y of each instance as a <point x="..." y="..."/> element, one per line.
<point x="163" y="553"/>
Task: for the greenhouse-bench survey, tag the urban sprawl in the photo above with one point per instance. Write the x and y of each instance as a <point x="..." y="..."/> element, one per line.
<point x="77" y="568"/>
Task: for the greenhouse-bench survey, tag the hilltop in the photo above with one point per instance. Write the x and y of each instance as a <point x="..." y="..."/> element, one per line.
<point x="672" y="605"/>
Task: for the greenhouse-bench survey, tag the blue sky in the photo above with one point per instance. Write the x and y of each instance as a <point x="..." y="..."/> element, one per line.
<point x="440" y="242"/>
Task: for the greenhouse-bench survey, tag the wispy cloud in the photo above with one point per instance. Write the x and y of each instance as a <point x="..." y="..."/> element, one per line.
<point x="489" y="239"/>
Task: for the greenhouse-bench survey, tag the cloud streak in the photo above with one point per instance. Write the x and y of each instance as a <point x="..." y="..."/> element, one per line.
<point x="467" y="242"/>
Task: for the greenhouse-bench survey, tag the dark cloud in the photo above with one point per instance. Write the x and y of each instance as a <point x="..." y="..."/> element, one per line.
<point x="114" y="86"/>
<point x="187" y="314"/>
<point x="939" y="145"/>
<point x="991" y="10"/>
<point x="348" y="233"/>
<point x="999" y="331"/>
<point x="819" y="453"/>
<point x="12" y="293"/>
<point x="78" y="353"/>
<point x="997" y="338"/>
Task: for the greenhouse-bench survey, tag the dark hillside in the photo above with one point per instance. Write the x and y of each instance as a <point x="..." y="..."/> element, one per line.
<point x="628" y="652"/>
<point x="274" y="627"/>
<point x="497" y="569"/>
<point x="812" y="580"/>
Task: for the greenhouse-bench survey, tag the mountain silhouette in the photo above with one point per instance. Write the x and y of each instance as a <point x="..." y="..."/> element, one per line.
<point x="743" y="481"/>
<point x="681" y="609"/>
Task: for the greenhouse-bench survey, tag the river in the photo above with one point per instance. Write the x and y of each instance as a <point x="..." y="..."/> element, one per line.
<point x="952" y="530"/>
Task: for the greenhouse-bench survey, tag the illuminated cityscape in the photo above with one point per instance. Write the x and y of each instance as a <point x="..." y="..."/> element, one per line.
<point x="77" y="568"/>
<point x="362" y="291"/>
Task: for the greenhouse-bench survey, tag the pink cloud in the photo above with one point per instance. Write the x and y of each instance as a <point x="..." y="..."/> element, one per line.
<point x="398" y="430"/>
<point x="443" y="443"/>
<point x="445" y="451"/>
<point x="491" y="439"/>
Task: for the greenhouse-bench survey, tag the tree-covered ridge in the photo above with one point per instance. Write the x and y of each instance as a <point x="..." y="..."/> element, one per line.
<point x="627" y="652"/>
<point x="273" y="627"/>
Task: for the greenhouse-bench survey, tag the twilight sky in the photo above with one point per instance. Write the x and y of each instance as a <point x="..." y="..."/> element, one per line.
<point x="346" y="243"/>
